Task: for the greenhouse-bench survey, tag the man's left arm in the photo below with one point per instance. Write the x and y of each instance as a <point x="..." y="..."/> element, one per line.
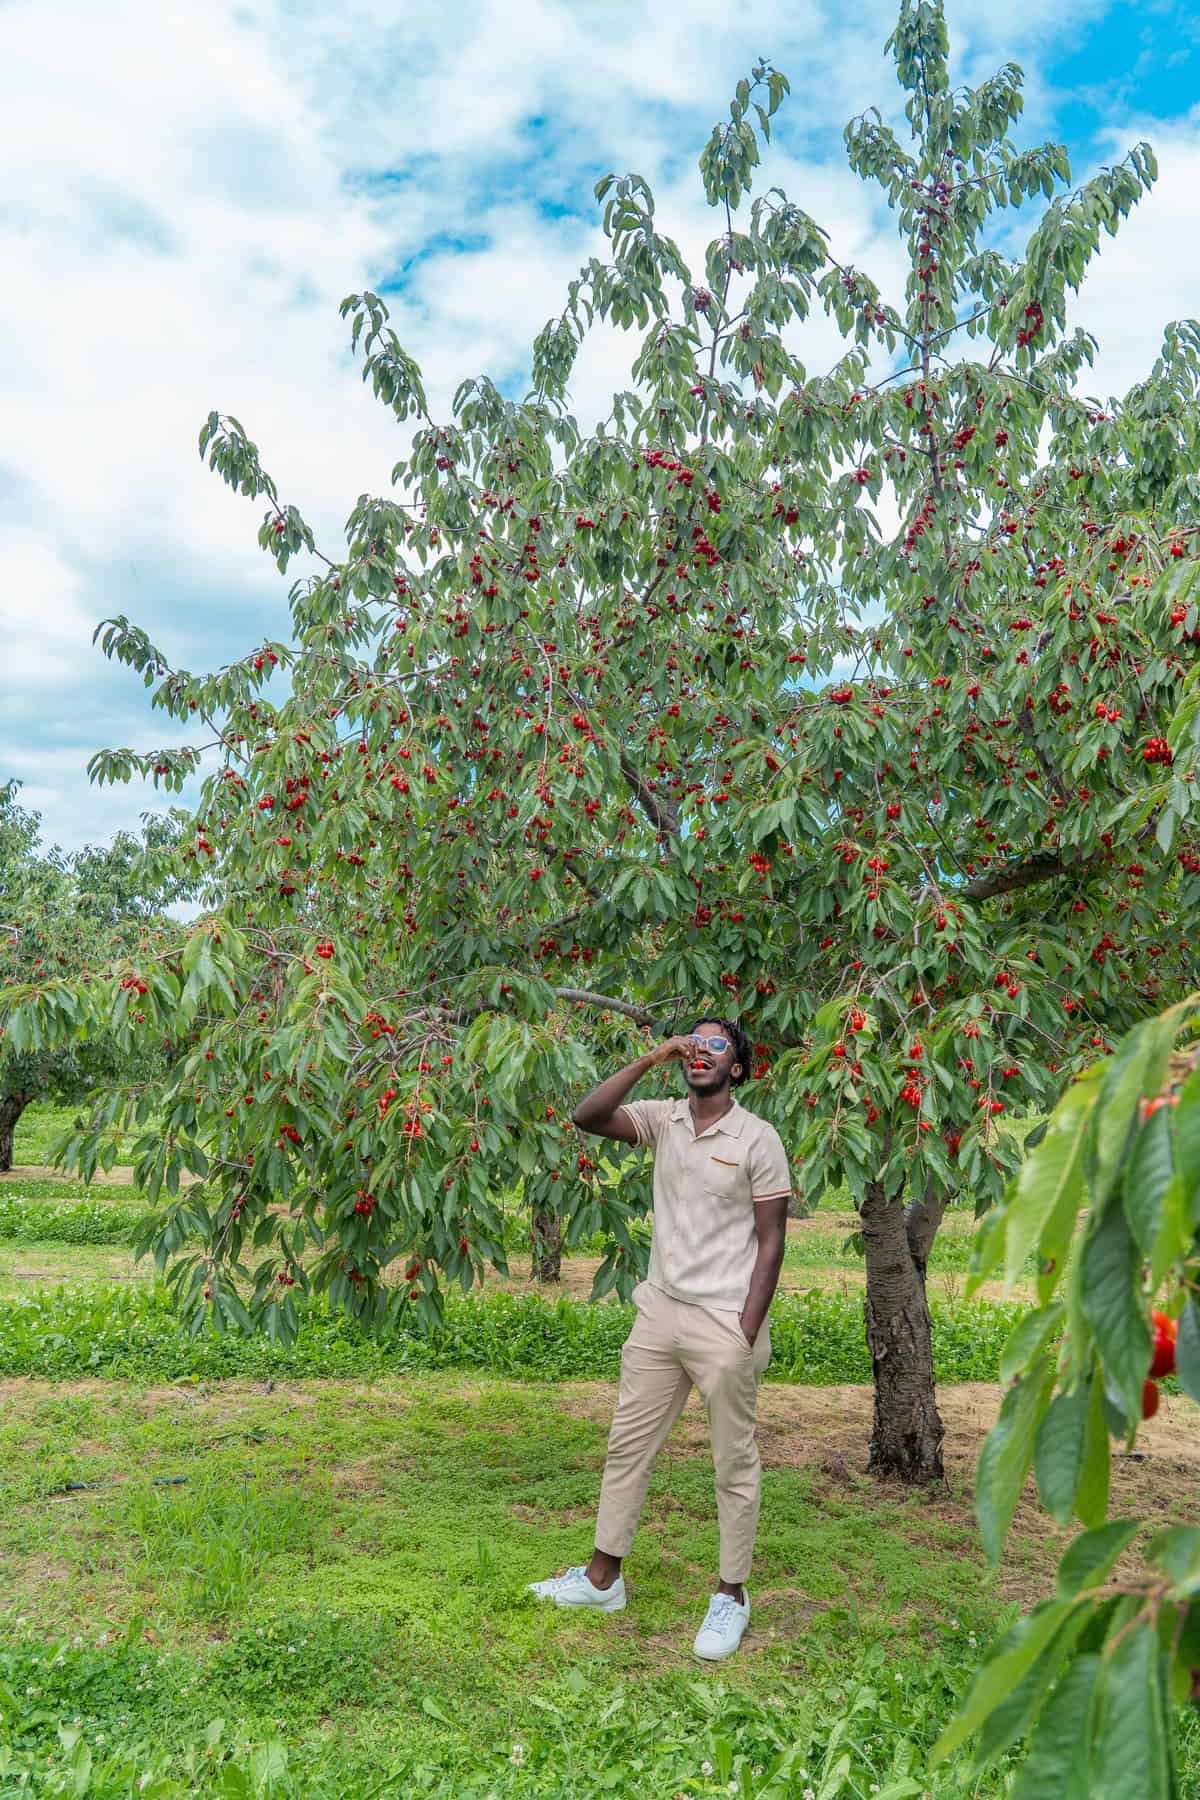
<point x="770" y="1191"/>
<point x="770" y="1229"/>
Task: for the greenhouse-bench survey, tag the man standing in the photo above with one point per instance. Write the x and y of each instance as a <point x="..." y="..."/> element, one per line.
<point x="721" y="1191"/>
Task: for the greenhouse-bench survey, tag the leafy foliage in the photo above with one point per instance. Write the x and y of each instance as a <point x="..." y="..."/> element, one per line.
<point x="1092" y="1675"/>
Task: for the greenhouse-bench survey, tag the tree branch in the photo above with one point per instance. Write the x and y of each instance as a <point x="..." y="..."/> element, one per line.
<point x="641" y="1015"/>
<point x="1025" y="721"/>
<point x="661" y="813"/>
<point x="1044" y="865"/>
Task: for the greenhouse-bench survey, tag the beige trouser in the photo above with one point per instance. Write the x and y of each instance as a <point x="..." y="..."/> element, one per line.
<point x="671" y="1346"/>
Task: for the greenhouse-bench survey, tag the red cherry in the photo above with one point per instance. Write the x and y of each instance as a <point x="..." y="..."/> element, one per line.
<point x="1163" y="1360"/>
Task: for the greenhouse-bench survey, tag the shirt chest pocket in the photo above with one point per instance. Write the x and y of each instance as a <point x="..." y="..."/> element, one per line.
<point x="726" y="1176"/>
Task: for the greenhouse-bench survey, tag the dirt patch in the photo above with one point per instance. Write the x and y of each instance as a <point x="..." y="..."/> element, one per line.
<point x="359" y="1478"/>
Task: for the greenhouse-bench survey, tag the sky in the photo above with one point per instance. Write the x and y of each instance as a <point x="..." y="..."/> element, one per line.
<point x="202" y="183"/>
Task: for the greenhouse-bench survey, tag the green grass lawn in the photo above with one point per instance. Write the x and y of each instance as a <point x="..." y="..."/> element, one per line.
<point x="314" y="1589"/>
<point x="345" y="1566"/>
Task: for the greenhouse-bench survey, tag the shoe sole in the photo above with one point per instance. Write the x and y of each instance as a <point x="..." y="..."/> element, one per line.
<point x="606" y="1606"/>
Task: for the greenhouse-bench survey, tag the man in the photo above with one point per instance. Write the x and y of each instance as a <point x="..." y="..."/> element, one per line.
<point x="721" y="1191"/>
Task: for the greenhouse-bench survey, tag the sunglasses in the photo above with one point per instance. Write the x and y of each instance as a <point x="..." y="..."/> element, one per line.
<point x="716" y="1044"/>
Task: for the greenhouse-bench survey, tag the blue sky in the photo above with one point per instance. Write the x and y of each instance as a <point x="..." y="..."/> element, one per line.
<point x="204" y="182"/>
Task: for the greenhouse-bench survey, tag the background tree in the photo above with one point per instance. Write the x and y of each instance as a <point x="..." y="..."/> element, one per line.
<point x="583" y="734"/>
<point x="61" y="916"/>
<point x="1093" y="1675"/>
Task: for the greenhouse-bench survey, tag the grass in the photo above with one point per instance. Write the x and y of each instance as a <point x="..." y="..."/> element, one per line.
<point x="131" y="1333"/>
<point x="307" y="1587"/>
<point x="346" y="1572"/>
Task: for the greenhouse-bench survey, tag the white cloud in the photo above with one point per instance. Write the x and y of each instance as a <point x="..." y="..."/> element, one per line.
<point x="1149" y="274"/>
<point x="42" y="624"/>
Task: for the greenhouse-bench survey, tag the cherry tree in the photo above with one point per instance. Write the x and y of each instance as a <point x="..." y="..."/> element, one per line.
<point x="67" y="914"/>
<point x="584" y="732"/>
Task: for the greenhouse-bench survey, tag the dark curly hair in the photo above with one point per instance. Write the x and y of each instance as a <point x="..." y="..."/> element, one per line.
<point x="737" y="1037"/>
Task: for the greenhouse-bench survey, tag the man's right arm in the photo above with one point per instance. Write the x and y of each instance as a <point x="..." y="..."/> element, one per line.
<point x="600" y="1111"/>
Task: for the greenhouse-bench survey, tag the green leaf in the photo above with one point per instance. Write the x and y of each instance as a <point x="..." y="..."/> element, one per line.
<point x="1138" y="1068"/>
<point x="1187" y="1143"/>
<point x="987" y="1251"/>
<point x="1110" y="1296"/>
<point x="1187" y="1350"/>
<point x="1177" y="1550"/>
<point x="1015" y="1715"/>
<point x="1007" y="1453"/>
<point x="1058" y="1450"/>
<point x="1087" y="1561"/>
<point x="1016" y="1652"/>
<point x="1148" y="1175"/>
<point x="1057" y="1763"/>
<point x="1091" y="1495"/>
<point x="1028" y="1339"/>
<point x="1049" y="1180"/>
<point x="1130" y="1756"/>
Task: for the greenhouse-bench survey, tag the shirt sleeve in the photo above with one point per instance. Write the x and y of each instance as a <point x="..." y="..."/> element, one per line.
<point x="648" y="1117"/>
<point x="770" y="1175"/>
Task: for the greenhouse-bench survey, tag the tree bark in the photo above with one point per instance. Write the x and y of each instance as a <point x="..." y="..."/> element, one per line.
<point x="907" y="1432"/>
<point x="546" y="1247"/>
<point x="11" y="1108"/>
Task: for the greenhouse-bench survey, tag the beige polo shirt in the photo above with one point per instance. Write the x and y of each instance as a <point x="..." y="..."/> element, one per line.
<point x="705" y="1189"/>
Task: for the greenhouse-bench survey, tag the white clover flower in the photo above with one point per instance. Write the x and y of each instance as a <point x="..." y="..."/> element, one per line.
<point x="874" y="1788"/>
<point x="518" y="1755"/>
<point x="809" y="1795"/>
<point x="706" y="1768"/>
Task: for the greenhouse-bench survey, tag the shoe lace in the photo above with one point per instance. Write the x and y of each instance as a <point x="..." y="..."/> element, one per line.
<point x="719" y="1609"/>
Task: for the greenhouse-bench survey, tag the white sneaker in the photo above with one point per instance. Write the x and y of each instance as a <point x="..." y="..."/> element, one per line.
<point x="574" y="1589"/>
<point x="724" y="1623"/>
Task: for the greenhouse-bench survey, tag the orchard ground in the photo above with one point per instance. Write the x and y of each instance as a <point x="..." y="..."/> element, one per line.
<point x="340" y="1566"/>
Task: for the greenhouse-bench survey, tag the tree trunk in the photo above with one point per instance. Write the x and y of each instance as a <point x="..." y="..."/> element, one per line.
<point x="907" y="1433"/>
<point x="11" y="1108"/>
<point x="546" y="1245"/>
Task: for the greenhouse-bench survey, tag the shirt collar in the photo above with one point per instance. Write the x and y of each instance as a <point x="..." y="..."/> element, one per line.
<point x="732" y="1121"/>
